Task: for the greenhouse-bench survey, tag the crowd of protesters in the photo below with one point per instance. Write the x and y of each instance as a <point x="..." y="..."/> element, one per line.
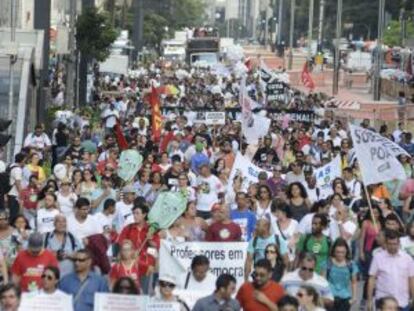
<point x="78" y="229"/>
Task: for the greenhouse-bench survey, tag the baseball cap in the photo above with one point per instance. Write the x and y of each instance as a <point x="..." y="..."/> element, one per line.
<point x="35" y="241"/>
<point x="128" y="189"/>
<point x="167" y="278"/>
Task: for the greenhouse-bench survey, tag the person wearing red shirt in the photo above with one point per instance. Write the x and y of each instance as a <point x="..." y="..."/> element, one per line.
<point x="262" y="294"/>
<point x="222" y="229"/>
<point x="138" y="231"/>
<point x="29" y="264"/>
<point x="28" y="197"/>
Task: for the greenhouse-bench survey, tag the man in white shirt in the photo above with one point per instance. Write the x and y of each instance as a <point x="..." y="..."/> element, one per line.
<point x="81" y="224"/>
<point x="353" y="185"/>
<point x="106" y="218"/>
<point x="397" y="133"/>
<point x="110" y="116"/>
<point x="123" y="216"/>
<point x="199" y="278"/>
<point x="209" y="188"/>
<point x="16" y="177"/>
<point x="38" y="140"/>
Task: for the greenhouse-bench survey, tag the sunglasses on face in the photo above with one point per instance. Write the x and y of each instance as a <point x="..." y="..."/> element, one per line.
<point x="166" y="284"/>
<point x="307" y="269"/>
<point x="47" y="277"/>
<point x="270" y="252"/>
<point x="80" y="259"/>
<point x="300" y="295"/>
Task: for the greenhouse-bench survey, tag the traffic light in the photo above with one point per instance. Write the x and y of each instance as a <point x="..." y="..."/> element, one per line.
<point x="4" y="138"/>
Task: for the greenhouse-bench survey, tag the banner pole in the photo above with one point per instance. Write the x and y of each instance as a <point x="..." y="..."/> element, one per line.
<point x="370" y="207"/>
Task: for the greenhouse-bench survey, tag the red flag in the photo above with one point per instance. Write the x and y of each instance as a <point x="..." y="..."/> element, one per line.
<point x="306" y="77"/>
<point x="249" y="64"/>
<point x="156" y="118"/>
<point x="120" y="138"/>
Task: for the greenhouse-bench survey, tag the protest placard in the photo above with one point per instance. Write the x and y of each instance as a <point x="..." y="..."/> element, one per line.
<point x="118" y="302"/>
<point x="163" y="306"/>
<point x="43" y="302"/>
<point x="211" y="117"/>
<point x="325" y="176"/>
<point x="247" y="171"/>
<point x="175" y="258"/>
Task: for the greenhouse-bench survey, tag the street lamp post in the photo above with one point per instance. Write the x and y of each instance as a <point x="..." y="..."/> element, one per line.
<point x="337" y="51"/>
<point x="13" y="58"/>
<point x="378" y="56"/>
<point x="310" y="28"/>
<point x="280" y="20"/>
<point x="292" y="27"/>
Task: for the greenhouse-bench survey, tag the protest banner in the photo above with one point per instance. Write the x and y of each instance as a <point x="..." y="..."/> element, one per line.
<point x="163" y="306"/>
<point x="190" y="297"/>
<point x="257" y="127"/>
<point x="377" y="156"/>
<point x="175" y="258"/>
<point x="246" y="170"/>
<point x="118" y="302"/>
<point x="325" y="176"/>
<point x="211" y="117"/>
<point x="43" y="302"/>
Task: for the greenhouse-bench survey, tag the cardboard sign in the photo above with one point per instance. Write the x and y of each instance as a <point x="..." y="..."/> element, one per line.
<point x="45" y="302"/>
<point x="211" y="117"/>
<point x="118" y="302"/>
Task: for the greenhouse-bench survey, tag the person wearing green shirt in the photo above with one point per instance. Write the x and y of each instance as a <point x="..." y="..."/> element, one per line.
<point x="316" y="242"/>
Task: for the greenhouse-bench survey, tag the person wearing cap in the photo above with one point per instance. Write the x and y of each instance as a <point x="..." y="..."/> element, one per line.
<point x="223" y="229"/>
<point x="166" y="285"/>
<point x="209" y="189"/>
<point x="29" y="264"/>
<point x="123" y="216"/>
<point x="101" y="194"/>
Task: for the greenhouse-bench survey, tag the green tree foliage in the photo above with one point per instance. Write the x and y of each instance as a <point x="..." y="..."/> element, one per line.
<point x="392" y="34"/>
<point x="185" y="13"/>
<point x="154" y="29"/>
<point x="94" y="35"/>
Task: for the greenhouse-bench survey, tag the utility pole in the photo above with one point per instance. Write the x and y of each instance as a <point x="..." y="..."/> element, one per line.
<point x="320" y="28"/>
<point x="292" y="27"/>
<point x="13" y="58"/>
<point x="378" y="56"/>
<point x="337" y="51"/>
<point x="71" y="68"/>
<point x="403" y="21"/>
<point x="138" y="26"/>
<point x="280" y="21"/>
<point x="266" y="28"/>
<point x="310" y="28"/>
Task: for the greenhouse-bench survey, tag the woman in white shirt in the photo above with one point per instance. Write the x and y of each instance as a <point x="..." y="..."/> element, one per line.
<point x="46" y="216"/>
<point x="285" y="226"/>
<point x="264" y="201"/>
<point x="66" y="198"/>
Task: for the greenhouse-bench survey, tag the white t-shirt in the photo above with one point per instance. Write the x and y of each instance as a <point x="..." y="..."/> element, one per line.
<point x="16" y="174"/>
<point x="207" y="285"/>
<point x="354" y="187"/>
<point x="39" y="142"/>
<point x="84" y="229"/>
<point x="207" y="192"/>
<point x="407" y="245"/>
<point x="66" y="203"/>
<point x="45" y="220"/>
<point x="111" y="116"/>
<point x="123" y="215"/>
<point x="104" y="221"/>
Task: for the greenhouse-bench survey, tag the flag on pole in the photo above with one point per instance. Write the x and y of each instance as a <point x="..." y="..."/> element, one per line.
<point x="253" y="126"/>
<point x="120" y="137"/>
<point x="249" y="64"/>
<point x="307" y="78"/>
<point x="156" y="118"/>
<point x="377" y="156"/>
<point x="265" y="72"/>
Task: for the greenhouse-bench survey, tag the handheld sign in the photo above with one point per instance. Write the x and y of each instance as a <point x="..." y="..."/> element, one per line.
<point x="167" y="208"/>
<point x="130" y="162"/>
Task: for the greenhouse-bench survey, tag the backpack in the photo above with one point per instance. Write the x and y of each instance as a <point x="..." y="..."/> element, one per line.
<point x="71" y="239"/>
<point x="255" y="243"/>
<point x="5" y="185"/>
<point x="329" y="268"/>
